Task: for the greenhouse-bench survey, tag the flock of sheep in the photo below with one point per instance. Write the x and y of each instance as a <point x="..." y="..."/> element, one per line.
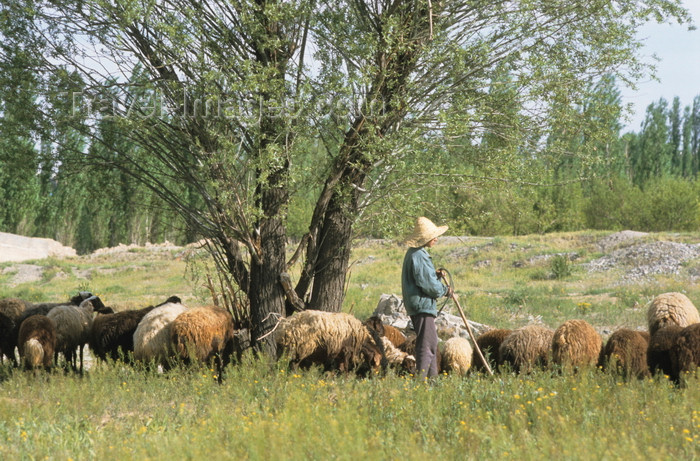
<point x="155" y="335"/>
<point x="170" y="332"/>
<point x="339" y="341"/>
<point x="670" y="346"/>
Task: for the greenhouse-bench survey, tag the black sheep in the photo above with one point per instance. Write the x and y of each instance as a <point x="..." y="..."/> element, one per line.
<point x="112" y="335"/>
<point x="658" y="354"/>
<point x="685" y="352"/>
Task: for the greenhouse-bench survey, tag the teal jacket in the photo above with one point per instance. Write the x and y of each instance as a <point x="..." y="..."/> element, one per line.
<point x="420" y="286"/>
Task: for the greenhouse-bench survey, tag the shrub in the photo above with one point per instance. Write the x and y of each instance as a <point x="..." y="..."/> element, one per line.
<point x="561" y="268"/>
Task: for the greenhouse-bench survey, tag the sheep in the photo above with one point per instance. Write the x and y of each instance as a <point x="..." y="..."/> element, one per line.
<point x="685" y="352"/>
<point x="397" y="358"/>
<point x="203" y="334"/>
<point x="10" y="311"/>
<point x="13" y="307"/>
<point x="7" y="342"/>
<point x="576" y="344"/>
<point x="489" y="343"/>
<point x="73" y="326"/>
<point x="392" y="333"/>
<point x="75" y="300"/>
<point x="526" y="348"/>
<point x="45" y="308"/>
<point x="152" y="335"/>
<point x="336" y="341"/>
<point x="659" y="351"/>
<point x="671" y="309"/>
<point x="626" y="352"/>
<point x="112" y="335"/>
<point x="457" y="355"/>
<point x="37" y="342"/>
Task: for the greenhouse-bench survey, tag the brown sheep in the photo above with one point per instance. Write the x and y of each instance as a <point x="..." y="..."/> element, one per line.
<point x="37" y="342"/>
<point x="626" y="352"/>
<point x="489" y="342"/>
<point x="671" y="309"/>
<point x="659" y="351"/>
<point x="13" y="307"/>
<point x="526" y="348"/>
<point x="392" y="333"/>
<point x="204" y="334"/>
<point x="576" y="344"/>
<point x="685" y="352"/>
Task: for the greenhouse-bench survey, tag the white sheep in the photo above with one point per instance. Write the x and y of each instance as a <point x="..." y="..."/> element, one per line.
<point x="397" y="358"/>
<point x="152" y="335"/>
<point x="335" y="340"/>
<point x="457" y="355"/>
<point x="671" y="309"/>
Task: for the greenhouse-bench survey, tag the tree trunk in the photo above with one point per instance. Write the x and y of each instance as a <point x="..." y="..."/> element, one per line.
<point x="335" y="242"/>
<point x="333" y="256"/>
<point x="266" y="294"/>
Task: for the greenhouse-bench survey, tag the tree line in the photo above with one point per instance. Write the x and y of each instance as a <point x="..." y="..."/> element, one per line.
<point x="251" y="122"/>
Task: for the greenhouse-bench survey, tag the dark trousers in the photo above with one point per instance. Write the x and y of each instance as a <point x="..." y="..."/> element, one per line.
<point x="426" y="345"/>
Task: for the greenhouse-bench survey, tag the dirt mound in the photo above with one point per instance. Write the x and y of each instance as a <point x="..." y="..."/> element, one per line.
<point x="646" y="259"/>
<point x="133" y="251"/>
<point x="615" y="240"/>
<point x="16" y="248"/>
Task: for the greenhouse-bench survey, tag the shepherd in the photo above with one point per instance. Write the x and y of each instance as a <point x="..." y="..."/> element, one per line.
<point x="420" y="288"/>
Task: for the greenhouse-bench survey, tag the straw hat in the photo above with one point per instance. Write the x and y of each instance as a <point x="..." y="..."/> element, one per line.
<point x="423" y="232"/>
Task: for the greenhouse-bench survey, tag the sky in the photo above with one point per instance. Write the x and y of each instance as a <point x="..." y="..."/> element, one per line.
<point x="679" y="68"/>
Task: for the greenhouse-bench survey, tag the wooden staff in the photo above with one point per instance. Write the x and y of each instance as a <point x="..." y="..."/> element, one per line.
<point x="471" y="335"/>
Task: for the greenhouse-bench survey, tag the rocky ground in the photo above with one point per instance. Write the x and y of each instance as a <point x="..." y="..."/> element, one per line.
<point x="644" y="259"/>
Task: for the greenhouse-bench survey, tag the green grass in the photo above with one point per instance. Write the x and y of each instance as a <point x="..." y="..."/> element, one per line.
<point x="264" y="411"/>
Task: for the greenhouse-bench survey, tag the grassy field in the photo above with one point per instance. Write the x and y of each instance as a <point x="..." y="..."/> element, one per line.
<point x="263" y="411"/>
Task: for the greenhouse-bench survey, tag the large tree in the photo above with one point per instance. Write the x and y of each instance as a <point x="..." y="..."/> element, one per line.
<point x="239" y="88"/>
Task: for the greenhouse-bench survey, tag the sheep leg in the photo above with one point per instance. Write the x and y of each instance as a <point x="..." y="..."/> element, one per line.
<point x="219" y="368"/>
